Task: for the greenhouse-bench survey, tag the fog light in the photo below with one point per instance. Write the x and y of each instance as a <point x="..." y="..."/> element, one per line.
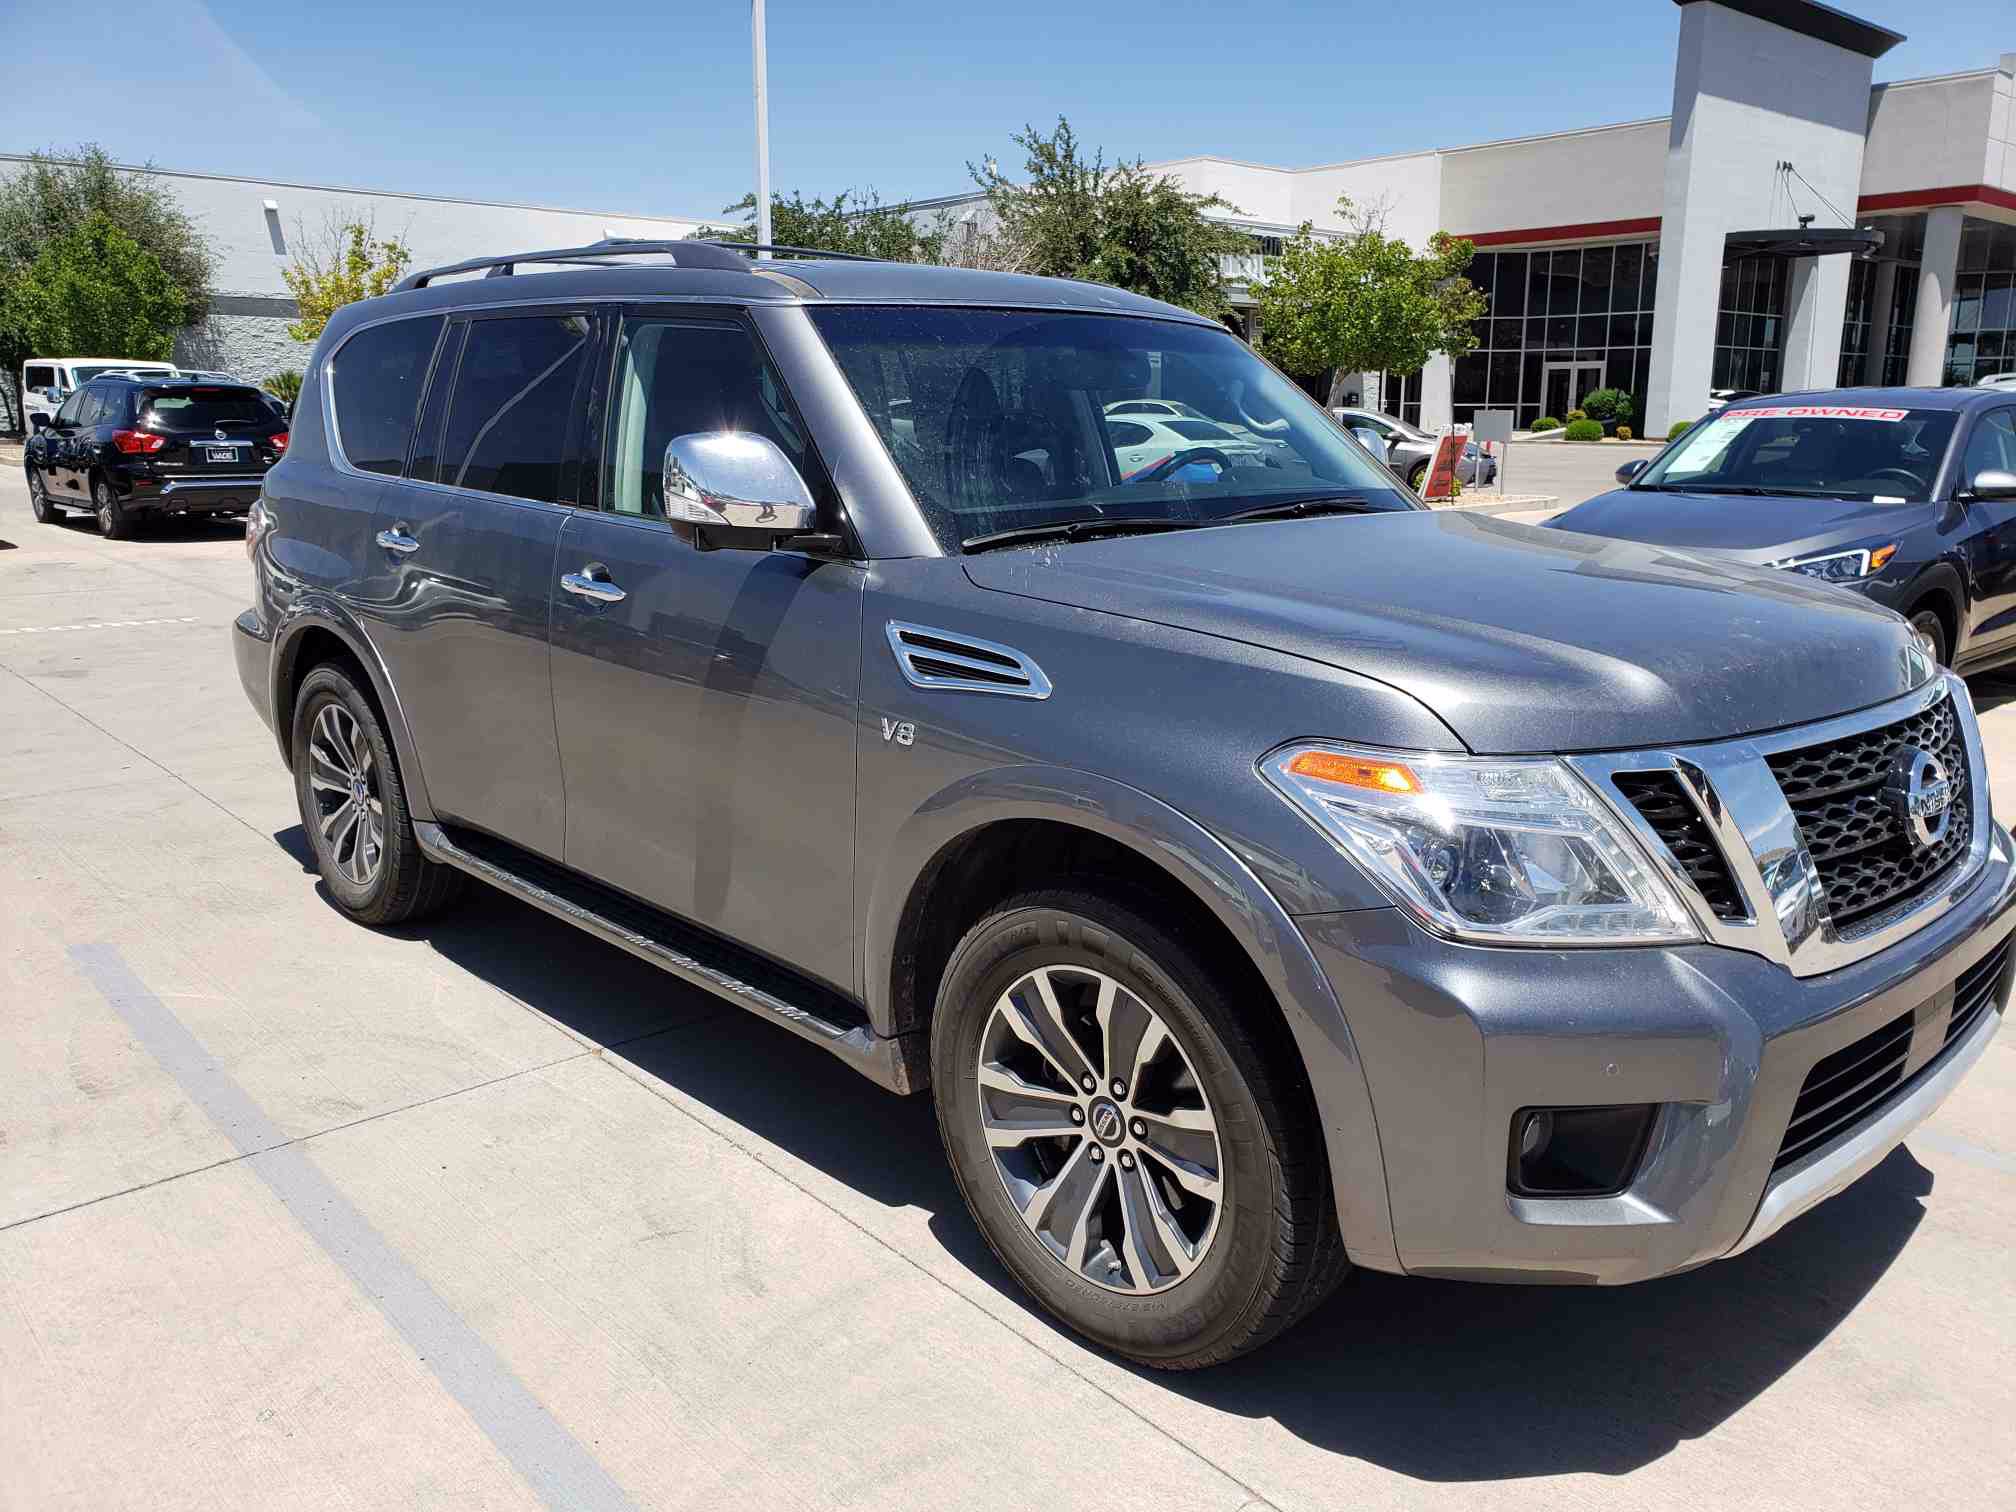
<point x="1576" y="1152"/>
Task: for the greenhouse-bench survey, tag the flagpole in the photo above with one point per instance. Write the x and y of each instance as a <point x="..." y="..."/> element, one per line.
<point x="756" y="30"/>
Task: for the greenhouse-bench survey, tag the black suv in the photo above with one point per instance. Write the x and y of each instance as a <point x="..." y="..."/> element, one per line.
<point x="1264" y="873"/>
<point x="133" y="448"/>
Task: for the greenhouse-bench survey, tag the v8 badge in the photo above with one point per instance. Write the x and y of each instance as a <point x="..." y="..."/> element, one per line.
<point x="902" y="731"/>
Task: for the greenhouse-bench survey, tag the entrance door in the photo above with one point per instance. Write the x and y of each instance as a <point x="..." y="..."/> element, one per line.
<point x="1565" y="383"/>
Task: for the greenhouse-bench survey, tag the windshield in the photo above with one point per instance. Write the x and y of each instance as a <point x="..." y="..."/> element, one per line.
<point x="1823" y="450"/>
<point x="1001" y="420"/>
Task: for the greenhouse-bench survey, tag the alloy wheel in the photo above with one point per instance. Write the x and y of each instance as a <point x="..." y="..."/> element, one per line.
<point x="350" y="809"/>
<point x="1100" y="1130"/>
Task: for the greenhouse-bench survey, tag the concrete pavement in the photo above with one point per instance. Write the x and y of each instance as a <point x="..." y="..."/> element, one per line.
<point x="486" y="1214"/>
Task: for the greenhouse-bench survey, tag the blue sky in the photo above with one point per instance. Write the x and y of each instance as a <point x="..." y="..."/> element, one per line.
<point x="623" y="105"/>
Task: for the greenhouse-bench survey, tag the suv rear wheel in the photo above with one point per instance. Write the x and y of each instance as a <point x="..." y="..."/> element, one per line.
<point x="113" y="522"/>
<point x="353" y="806"/>
<point x="1120" y="1137"/>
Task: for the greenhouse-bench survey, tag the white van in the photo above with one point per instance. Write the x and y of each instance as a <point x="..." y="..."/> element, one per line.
<point x="47" y="381"/>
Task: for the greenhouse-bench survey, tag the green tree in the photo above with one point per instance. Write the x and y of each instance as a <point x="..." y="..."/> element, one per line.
<point x="853" y="221"/>
<point x="284" y="385"/>
<point x="342" y="263"/>
<point x="1119" y="224"/>
<point x="54" y="194"/>
<point x="95" y="289"/>
<point x="1365" y="302"/>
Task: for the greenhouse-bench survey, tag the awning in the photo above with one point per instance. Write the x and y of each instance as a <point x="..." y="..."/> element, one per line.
<point x="1804" y="241"/>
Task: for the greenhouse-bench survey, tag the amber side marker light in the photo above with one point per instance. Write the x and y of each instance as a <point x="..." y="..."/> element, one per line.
<point x="1880" y="557"/>
<point x="1355" y="771"/>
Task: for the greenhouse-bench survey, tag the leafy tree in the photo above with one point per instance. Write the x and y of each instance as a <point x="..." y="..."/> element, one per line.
<point x="342" y="263"/>
<point x="57" y="193"/>
<point x="1119" y="224"/>
<point x="852" y="221"/>
<point x="95" y="289"/>
<point x="1366" y="302"/>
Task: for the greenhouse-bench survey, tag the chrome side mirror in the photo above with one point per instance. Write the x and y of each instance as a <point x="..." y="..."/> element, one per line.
<point x="1992" y="483"/>
<point x="1370" y="439"/>
<point x="1630" y="470"/>
<point x="736" y="480"/>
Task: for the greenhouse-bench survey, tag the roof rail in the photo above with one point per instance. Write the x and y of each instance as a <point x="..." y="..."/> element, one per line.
<point x="732" y="257"/>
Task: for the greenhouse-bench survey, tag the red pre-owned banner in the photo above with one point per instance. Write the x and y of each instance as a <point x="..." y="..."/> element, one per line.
<point x="1442" y="471"/>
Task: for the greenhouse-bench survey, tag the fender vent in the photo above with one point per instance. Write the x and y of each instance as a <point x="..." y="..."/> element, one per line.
<point x="941" y="660"/>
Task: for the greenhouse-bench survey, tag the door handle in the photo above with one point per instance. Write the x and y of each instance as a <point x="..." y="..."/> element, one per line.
<point x="592" y="582"/>
<point x="397" y="540"/>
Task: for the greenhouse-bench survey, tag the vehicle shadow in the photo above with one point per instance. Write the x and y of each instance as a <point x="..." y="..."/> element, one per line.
<point x="1991" y="690"/>
<point x="1442" y="1381"/>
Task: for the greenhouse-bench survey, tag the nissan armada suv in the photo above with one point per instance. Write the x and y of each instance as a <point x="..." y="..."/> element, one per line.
<point x="1263" y="874"/>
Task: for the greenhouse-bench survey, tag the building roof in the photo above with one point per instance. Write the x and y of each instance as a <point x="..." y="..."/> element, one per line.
<point x="1811" y="19"/>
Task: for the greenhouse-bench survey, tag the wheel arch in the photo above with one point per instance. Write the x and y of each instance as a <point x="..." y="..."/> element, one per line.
<point x="325" y="631"/>
<point x="946" y="865"/>
<point x="1939" y="588"/>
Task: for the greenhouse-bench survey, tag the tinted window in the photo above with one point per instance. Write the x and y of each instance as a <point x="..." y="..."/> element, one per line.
<point x="512" y="405"/>
<point x="1992" y="447"/>
<point x="115" y="407"/>
<point x="38" y="377"/>
<point x="376" y="377"/>
<point x="1199" y="430"/>
<point x="675" y="379"/>
<point x="427" y="444"/>
<point x="72" y="408"/>
<point x="206" y="408"/>
<point x="1125" y="433"/>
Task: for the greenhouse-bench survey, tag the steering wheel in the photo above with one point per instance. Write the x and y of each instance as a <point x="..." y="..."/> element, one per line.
<point x="1902" y="474"/>
<point x="1176" y="461"/>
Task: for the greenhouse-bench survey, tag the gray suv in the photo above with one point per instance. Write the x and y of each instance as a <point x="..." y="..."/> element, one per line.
<point x="1264" y="874"/>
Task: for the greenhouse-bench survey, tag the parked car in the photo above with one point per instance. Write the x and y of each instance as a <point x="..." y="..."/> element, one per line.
<point x="1148" y="447"/>
<point x="1718" y="398"/>
<point x="129" y="449"/>
<point x="802" y="636"/>
<point x="1410" y="450"/>
<point x="1997" y="380"/>
<point x="1906" y="496"/>
<point x="1175" y="409"/>
<point x="47" y="381"/>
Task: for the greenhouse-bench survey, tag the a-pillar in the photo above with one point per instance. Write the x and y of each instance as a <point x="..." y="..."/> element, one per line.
<point x="1816" y="307"/>
<point x="1933" y="321"/>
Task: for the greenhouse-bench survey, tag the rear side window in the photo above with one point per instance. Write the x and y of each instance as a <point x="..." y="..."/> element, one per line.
<point x="376" y="379"/>
<point x="206" y="408"/>
<point x="512" y="408"/>
<point x="37" y="377"/>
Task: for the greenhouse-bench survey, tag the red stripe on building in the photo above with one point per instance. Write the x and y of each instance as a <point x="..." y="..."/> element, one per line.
<point x="1957" y="194"/>
<point x="1647" y="225"/>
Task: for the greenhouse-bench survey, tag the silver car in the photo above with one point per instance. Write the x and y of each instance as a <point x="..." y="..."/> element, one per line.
<point x="1410" y="449"/>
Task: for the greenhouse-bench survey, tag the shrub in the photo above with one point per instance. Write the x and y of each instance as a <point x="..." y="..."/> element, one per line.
<point x="1623" y="433"/>
<point x="1679" y="428"/>
<point x="284" y="385"/>
<point x="1583" y="430"/>
<point x="1545" y="423"/>
<point x="1577" y="414"/>
<point x="1607" y="404"/>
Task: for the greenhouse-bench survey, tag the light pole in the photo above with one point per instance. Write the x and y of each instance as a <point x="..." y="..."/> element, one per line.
<point x="762" y="127"/>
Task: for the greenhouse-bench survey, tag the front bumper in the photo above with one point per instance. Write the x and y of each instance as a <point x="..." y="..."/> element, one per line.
<point x="1456" y="1039"/>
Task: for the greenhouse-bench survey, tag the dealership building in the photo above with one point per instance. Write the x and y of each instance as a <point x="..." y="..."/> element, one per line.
<point x="1791" y="224"/>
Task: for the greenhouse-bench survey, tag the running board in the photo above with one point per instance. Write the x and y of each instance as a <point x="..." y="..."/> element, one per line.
<point x="896" y="1063"/>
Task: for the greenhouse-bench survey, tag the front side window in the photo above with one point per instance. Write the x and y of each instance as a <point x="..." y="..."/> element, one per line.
<point x="676" y="378"/>
<point x="512" y="409"/>
<point x="1009" y="417"/>
<point x="38" y="377"/>
<point x="1992" y="447"/>
<point x="375" y="378"/>
<point x="72" y="408"/>
<point x="1845" y="451"/>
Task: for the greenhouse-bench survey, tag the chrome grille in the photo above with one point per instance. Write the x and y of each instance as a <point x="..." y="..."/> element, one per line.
<point x="1866" y="861"/>
<point x="1663" y="800"/>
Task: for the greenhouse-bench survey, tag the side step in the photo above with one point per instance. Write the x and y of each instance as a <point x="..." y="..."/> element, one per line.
<point x="808" y="1011"/>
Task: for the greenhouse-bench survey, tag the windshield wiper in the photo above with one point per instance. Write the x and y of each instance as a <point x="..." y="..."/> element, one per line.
<point x="1076" y="530"/>
<point x="1290" y="509"/>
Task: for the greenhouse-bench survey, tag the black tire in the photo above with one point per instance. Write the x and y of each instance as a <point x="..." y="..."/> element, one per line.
<point x="1933" y="632"/>
<point x="404" y="885"/>
<point x="1275" y="1251"/>
<point x="47" y="512"/>
<point x="1417" y="476"/>
<point x="113" y="522"/>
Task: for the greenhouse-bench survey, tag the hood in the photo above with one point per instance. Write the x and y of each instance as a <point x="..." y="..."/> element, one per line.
<point x="1521" y="639"/>
<point x="1747" y="527"/>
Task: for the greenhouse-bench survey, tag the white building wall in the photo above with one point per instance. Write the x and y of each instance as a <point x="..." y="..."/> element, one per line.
<point x="1935" y="133"/>
<point x="1576" y="178"/>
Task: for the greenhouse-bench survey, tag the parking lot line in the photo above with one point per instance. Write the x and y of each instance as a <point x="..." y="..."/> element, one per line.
<point x="563" y="1473"/>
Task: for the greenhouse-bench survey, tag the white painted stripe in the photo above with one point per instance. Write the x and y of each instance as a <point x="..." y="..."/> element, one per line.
<point x="551" y="1460"/>
<point x="186" y="619"/>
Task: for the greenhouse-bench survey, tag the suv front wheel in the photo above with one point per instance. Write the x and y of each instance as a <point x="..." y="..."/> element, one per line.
<point x="353" y="806"/>
<point x="1121" y="1137"/>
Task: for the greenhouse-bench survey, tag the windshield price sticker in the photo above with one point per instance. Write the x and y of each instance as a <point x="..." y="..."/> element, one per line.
<point x="1819" y="412"/>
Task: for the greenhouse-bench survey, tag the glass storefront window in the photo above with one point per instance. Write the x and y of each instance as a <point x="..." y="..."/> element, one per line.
<point x="1983" y="337"/>
<point x="1749" y="324"/>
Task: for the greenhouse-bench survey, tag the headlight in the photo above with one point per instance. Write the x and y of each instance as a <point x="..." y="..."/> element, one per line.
<point x="1843" y="566"/>
<point x="1508" y="851"/>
